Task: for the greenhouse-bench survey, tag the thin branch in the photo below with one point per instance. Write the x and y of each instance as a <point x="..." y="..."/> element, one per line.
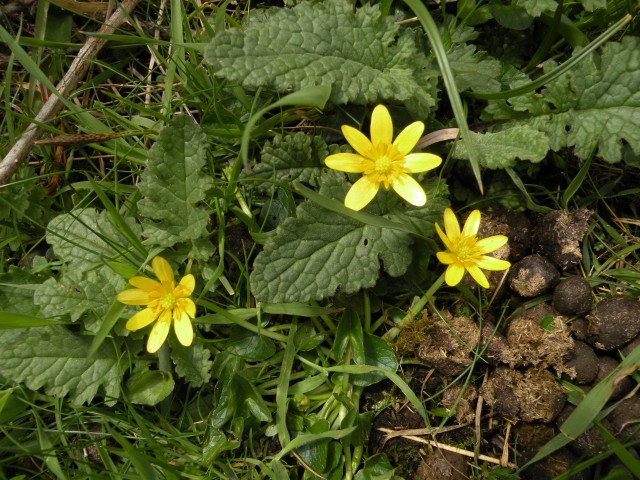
<point x="22" y="148"/>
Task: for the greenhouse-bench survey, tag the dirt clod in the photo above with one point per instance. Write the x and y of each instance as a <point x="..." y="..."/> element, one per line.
<point x="530" y="396"/>
<point x="584" y="363"/>
<point x="462" y="401"/>
<point x="630" y="347"/>
<point x="533" y="345"/>
<point x="497" y="349"/>
<point x="579" y="328"/>
<point x="572" y="296"/>
<point x="533" y="276"/>
<point x="443" y="464"/>
<point x="553" y="465"/>
<point x="590" y="442"/>
<point x="614" y="322"/>
<point x="624" y="420"/>
<point x="448" y="344"/>
<point x="621" y="386"/>
<point x="558" y="235"/>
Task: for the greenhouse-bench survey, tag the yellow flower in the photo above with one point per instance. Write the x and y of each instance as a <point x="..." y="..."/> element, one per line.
<point x="382" y="162"/>
<point x="466" y="252"/>
<point x="165" y="303"/>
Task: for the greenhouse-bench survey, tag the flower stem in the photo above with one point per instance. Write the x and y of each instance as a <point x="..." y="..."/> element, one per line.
<point x="415" y="309"/>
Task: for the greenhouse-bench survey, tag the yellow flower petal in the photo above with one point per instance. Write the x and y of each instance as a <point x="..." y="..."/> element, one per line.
<point x="361" y="193"/>
<point x="186" y="305"/>
<point x="451" y="225"/>
<point x="447" y="243"/>
<point x="446" y="258"/>
<point x="141" y="319"/>
<point x="186" y="286"/>
<point x="358" y="141"/>
<point x="491" y="244"/>
<point x="159" y="333"/>
<point x="163" y="270"/>
<point x="346" y="162"/>
<point x="478" y="276"/>
<point x="184" y="330"/>
<point x="381" y="126"/>
<point x="410" y="190"/>
<point x="492" y="263"/>
<point x="454" y="274"/>
<point x="134" y="296"/>
<point x="408" y="137"/>
<point x="472" y="224"/>
<point x="144" y="283"/>
<point x="421" y="162"/>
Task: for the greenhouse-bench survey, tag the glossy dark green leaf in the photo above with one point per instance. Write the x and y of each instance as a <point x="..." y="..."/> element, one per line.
<point x="216" y="443"/>
<point x="249" y="345"/>
<point x="150" y="388"/>
<point x="377" y="354"/>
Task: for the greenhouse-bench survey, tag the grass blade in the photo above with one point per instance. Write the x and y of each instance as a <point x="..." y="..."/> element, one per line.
<point x="433" y="34"/>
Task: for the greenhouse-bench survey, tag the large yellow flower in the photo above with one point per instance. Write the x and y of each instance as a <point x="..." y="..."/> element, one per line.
<point x="466" y="252"/>
<point x="383" y="162"/>
<point x="166" y="302"/>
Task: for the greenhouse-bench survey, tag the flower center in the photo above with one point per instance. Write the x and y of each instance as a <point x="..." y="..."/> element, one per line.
<point x="168" y="301"/>
<point x="383" y="164"/>
<point x="465" y="251"/>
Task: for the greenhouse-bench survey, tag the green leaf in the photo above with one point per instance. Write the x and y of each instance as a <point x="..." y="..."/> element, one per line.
<point x="349" y="334"/>
<point x="150" y="387"/>
<point x="173" y="184"/>
<point x="84" y="238"/>
<point x="16" y="291"/>
<point x="291" y="157"/>
<point x="18" y="320"/>
<point x="535" y="8"/>
<point x="377" y="467"/>
<point x="358" y="52"/>
<point x="594" y="107"/>
<point x="277" y="209"/>
<point x="377" y="353"/>
<point x="62" y="297"/>
<point x="591" y="5"/>
<point x="22" y="200"/>
<point x="78" y="292"/>
<point x="12" y="404"/>
<point x="318" y="251"/>
<point x="501" y="149"/>
<point x="224" y="368"/>
<point x="473" y="69"/>
<point x="192" y="363"/>
<point x="510" y="16"/>
<point x="249" y="345"/>
<point x="250" y="399"/>
<point x="307" y="438"/>
<point x="316" y="454"/>
<point x="56" y="359"/>
<point x="216" y="443"/>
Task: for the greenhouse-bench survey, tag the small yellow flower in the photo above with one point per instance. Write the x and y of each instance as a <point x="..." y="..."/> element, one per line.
<point x="466" y="252"/>
<point x="165" y="303"/>
<point x="382" y="162"/>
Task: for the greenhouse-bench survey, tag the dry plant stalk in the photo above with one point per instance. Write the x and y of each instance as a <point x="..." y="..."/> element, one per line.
<point x="53" y="105"/>
<point x="457" y="450"/>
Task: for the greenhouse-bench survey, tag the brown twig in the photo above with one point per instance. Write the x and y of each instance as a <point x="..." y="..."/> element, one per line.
<point x="443" y="446"/>
<point x="54" y="104"/>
